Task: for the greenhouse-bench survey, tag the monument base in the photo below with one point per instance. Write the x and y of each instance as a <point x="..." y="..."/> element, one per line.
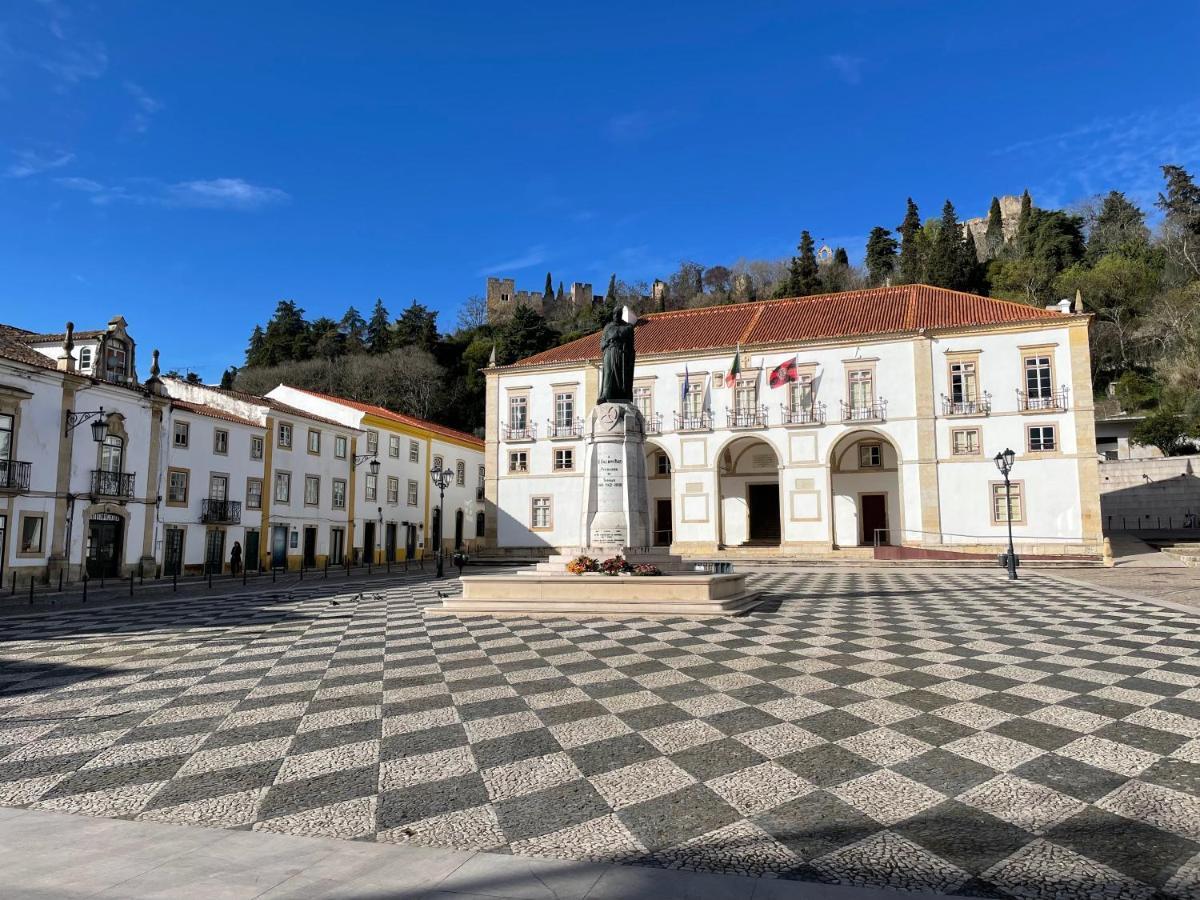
<point x="597" y="595"/>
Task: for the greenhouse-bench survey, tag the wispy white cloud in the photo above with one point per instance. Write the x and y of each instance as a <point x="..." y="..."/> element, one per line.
<point x="1122" y="153"/>
<point x="531" y="257"/>
<point x="216" y="193"/>
<point x="30" y="162"/>
<point x="146" y="105"/>
<point x="849" y="68"/>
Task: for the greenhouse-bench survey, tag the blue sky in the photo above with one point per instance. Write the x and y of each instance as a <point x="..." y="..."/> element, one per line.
<point x="189" y="164"/>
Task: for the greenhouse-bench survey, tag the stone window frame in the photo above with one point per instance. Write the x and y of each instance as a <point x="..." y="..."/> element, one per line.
<point x="957" y="358"/>
<point x="864" y="447"/>
<point x="282" y="429"/>
<point x="521" y="394"/>
<point x="393" y="490"/>
<point x="806" y="376"/>
<point x="394" y="446"/>
<point x="661" y="470"/>
<point x="996" y="494"/>
<point x="211" y="476"/>
<point x="869" y="365"/>
<point x="645" y="387"/>
<point x="250" y="480"/>
<point x="694" y="379"/>
<point x="371" y="488"/>
<point x="336" y="501"/>
<point x="257" y="446"/>
<point x="414" y="451"/>
<point x="217" y="434"/>
<point x="571" y="391"/>
<point x="438" y="461"/>
<point x="283" y="479"/>
<point x="411" y="495"/>
<point x="566" y="453"/>
<point x="1042" y="426"/>
<point x="340" y="446"/>
<point x="978" y="451"/>
<point x="187" y="486"/>
<point x="373" y="443"/>
<point x="460" y="472"/>
<point x="548" y="500"/>
<point x="314" y="450"/>
<point x="186" y="432"/>
<point x="1038" y="350"/>
<point x="514" y="469"/>
<point x="310" y="478"/>
<point x="30" y="515"/>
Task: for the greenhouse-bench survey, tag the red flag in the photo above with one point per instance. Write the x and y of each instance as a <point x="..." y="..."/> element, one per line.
<point x="784" y="373"/>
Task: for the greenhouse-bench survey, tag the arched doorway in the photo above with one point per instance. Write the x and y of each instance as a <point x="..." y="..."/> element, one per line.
<point x="864" y="475"/>
<point x="748" y="492"/>
<point x="659" y="469"/>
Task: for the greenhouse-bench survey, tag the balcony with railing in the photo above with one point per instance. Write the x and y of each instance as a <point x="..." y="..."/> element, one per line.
<point x="981" y="407"/>
<point x="14" y="476"/>
<point x="112" y="484"/>
<point x="564" y="430"/>
<point x="701" y="421"/>
<point x="221" y="512"/>
<point x="653" y="424"/>
<point x="875" y="411"/>
<point x="1054" y="401"/>
<point x="747" y="417"/>
<point x="479" y="493"/>
<point x="522" y="432"/>
<point x="802" y="415"/>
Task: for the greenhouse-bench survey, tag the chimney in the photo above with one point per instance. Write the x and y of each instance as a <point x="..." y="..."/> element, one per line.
<point x="1064" y="306"/>
<point x="66" y="360"/>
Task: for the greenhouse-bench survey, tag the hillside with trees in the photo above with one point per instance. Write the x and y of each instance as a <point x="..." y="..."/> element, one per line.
<point x="1141" y="284"/>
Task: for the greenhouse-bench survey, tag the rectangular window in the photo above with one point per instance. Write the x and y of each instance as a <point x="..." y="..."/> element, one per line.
<point x="518" y="413"/>
<point x="253" y="493"/>
<point x="437" y="462"/>
<point x="177" y="486"/>
<point x="800" y="393"/>
<point x="482" y="475"/>
<point x="373" y="442"/>
<point x="694" y="401"/>
<point x="1039" y="377"/>
<point x="964" y="441"/>
<point x="662" y="464"/>
<point x="745" y="397"/>
<point x="314" y="441"/>
<point x="1002" y="511"/>
<point x="218" y="487"/>
<point x="393" y="488"/>
<point x="283" y="487"/>
<point x="337" y="545"/>
<point x="256" y="447"/>
<point x="339" y="493"/>
<point x="460" y="473"/>
<point x="339" y="446"/>
<point x="518" y="461"/>
<point x="1042" y="438"/>
<point x="312" y="490"/>
<point x="6" y="437"/>
<point x="32" y="529"/>
<point x="221" y="441"/>
<point x="85" y="359"/>
<point x="643" y="399"/>
<point x="564" y="460"/>
<point x="862" y="388"/>
<point x="394" y="446"/>
<point x="285" y="435"/>
<point x="870" y="456"/>
<point x="412" y="492"/>
<point x="963" y="383"/>
<point x="414" y="452"/>
<point x="372" y="487"/>
<point x="540" y="517"/>
<point x="182" y="432"/>
<point x="564" y="409"/>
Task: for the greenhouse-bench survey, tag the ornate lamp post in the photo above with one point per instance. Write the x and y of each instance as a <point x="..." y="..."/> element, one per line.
<point x="441" y="480"/>
<point x="1004" y="462"/>
<point x="99" y="427"/>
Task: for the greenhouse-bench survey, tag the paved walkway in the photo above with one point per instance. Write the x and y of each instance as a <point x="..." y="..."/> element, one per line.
<point x="946" y="732"/>
<point x="115" y="858"/>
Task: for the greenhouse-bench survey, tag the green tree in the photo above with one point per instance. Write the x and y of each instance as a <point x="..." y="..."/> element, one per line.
<point x="548" y="292"/>
<point x="287" y="335"/>
<point x="841" y="257"/>
<point x="1137" y="392"/>
<point x="610" y="295"/>
<point x="1024" y="221"/>
<point x="416" y="327"/>
<point x="881" y="255"/>
<point x="523" y="335"/>
<point x="354" y="327"/>
<point x="1119" y="227"/>
<point x="379" y="329"/>
<point x="227" y="378"/>
<point x="949" y="265"/>
<point x="1164" y="430"/>
<point x="911" y="265"/>
<point x="1181" y="225"/>
<point x="804" y="275"/>
<point x="993" y="239"/>
<point x="558" y="298"/>
<point x="328" y="342"/>
<point x="256" y="350"/>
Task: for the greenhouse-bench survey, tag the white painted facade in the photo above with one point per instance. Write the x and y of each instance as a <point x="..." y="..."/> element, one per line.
<point x="933" y="496"/>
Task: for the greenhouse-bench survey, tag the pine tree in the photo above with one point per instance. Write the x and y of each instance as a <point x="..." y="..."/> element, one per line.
<point x="1120" y="227"/>
<point x="1021" y="241"/>
<point x="255" y="352"/>
<point x="1181" y="203"/>
<point x="841" y="257"/>
<point x="548" y="293"/>
<point x="948" y="266"/>
<point x="804" y="276"/>
<point x="993" y="240"/>
<point x="416" y="327"/>
<point x="881" y="255"/>
<point x="287" y="337"/>
<point x="379" y="331"/>
<point x="354" y="327"/>
<point x="227" y="378"/>
<point x="911" y="265"/>
<point x="558" y="298"/>
<point x="610" y="296"/>
<point x="969" y="265"/>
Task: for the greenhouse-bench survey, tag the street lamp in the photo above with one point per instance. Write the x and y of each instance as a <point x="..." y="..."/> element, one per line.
<point x="441" y="480"/>
<point x="99" y="427"/>
<point x="1004" y="462"/>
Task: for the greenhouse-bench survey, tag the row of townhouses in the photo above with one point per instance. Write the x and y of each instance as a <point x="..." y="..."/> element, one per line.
<point x="103" y="473"/>
<point x="880" y="427"/>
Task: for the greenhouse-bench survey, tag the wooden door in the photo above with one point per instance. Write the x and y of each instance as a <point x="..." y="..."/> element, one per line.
<point x="873" y="516"/>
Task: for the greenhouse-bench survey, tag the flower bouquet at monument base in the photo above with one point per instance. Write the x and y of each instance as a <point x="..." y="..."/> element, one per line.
<point x="581" y="564"/>
<point x="646" y="569"/>
<point x="615" y="565"/>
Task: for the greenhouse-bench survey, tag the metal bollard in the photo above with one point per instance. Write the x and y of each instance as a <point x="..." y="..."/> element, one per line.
<point x="31" y="590"/>
<point x="130" y="584"/>
<point x="60" y="578"/>
<point x="327" y="568"/>
<point x="85" y="584"/>
<point x="301" y="570"/>
<point x="14" y="587"/>
<point x="272" y="573"/>
<point x="175" y="580"/>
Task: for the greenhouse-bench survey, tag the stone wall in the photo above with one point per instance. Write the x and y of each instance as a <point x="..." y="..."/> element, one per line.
<point x="1149" y="493"/>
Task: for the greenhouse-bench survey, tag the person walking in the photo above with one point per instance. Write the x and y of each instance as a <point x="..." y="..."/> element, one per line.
<point x="235" y="558"/>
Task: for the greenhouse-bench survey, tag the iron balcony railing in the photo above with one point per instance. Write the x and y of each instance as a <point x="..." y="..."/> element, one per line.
<point x="982" y="407"/>
<point x="564" y="429"/>
<point x="520" y="432"/>
<point x="701" y="421"/>
<point x="227" y="512"/>
<point x="1056" y="400"/>
<point x="112" y="484"/>
<point x="479" y="492"/>
<point x="747" y="417"/>
<point x="653" y="423"/>
<point x="14" y="476"/>
<point x="802" y="415"/>
<point x="875" y="411"/>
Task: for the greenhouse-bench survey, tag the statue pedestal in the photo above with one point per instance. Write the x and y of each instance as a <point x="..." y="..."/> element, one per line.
<point x="615" y="513"/>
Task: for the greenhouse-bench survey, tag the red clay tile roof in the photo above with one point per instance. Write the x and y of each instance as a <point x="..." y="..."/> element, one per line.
<point x="271" y="403"/>
<point x="57" y="337"/>
<point x="383" y="413"/>
<point x="874" y="311"/>
<point x="12" y="346"/>
<point x="213" y="413"/>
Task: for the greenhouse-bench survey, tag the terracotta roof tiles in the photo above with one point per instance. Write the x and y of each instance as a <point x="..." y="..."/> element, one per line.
<point x="399" y="418"/>
<point x="213" y="413"/>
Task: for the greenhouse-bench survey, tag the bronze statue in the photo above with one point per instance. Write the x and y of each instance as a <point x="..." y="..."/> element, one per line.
<point x="616" y="365"/>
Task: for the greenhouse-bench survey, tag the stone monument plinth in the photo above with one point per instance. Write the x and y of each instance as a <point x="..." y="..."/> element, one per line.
<point x="615" y="508"/>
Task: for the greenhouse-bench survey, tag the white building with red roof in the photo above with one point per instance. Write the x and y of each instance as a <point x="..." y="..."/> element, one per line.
<point x="878" y="439"/>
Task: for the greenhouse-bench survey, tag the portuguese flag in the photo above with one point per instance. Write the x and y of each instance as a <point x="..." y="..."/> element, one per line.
<point x="735" y="369"/>
<point x="785" y="373"/>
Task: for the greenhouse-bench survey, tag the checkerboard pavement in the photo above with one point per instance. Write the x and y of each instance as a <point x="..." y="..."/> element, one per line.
<point x="949" y="732"/>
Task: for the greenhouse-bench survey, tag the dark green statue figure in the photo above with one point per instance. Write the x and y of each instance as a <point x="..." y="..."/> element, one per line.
<point x="616" y="365"/>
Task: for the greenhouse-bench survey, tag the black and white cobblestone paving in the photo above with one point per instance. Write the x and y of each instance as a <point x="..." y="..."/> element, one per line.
<point x="926" y="731"/>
